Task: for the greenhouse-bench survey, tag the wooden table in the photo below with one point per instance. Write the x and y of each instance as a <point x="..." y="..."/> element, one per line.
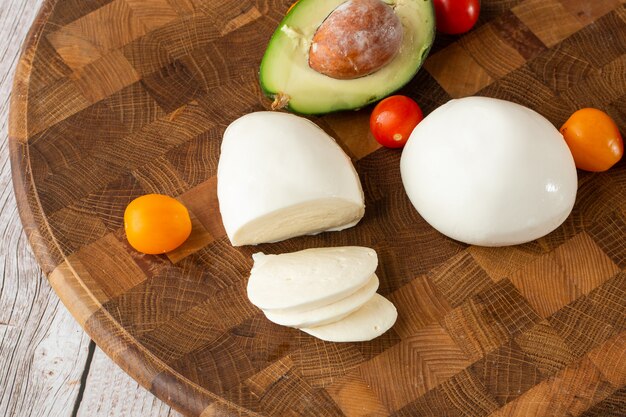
<point x="48" y="365"/>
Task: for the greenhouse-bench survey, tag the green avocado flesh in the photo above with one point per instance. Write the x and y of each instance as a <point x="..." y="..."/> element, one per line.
<point x="285" y="71"/>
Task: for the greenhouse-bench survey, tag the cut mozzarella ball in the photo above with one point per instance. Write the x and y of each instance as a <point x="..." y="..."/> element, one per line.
<point x="370" y="321"/>
<point x="329" y="313"/>
<point x="281" y="176"/>
<point x="309" y="279"/>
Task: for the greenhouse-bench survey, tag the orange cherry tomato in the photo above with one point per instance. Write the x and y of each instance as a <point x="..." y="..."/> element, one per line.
<point x="156" y="223"/>
<point x="594" y="140"/>
<point x="393" y="120"/>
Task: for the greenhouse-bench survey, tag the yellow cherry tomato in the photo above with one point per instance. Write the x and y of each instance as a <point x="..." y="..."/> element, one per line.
<point x="594" y="140"/>
<point x="156" y="224"/>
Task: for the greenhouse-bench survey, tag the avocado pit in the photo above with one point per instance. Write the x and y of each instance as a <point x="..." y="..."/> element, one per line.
<point x="358" y="38"/>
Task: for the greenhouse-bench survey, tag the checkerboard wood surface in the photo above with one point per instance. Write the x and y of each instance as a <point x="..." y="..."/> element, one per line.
<point x="118" y="98"/>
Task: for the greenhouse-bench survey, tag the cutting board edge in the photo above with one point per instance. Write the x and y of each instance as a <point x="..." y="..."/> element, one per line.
<point x="175" y="389"/>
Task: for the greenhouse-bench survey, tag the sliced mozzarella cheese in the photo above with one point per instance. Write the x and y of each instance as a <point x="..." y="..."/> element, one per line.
<point x="310" y="278"/>
<point x="281" y="176"/>
<point x="370" y="321"/>
<point x="328" y="313"/>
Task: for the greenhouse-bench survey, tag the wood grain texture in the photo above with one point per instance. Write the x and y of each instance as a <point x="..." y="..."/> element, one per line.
<point x="111" y="392"/>
<point x="43" y="350"/>
<point x="116" y="98"/>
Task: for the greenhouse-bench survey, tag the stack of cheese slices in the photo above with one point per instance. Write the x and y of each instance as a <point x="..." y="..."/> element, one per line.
<point x="329" y="293"/>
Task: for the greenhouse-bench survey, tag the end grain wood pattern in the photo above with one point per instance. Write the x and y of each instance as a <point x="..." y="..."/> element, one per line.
<point x="117" y="98"/>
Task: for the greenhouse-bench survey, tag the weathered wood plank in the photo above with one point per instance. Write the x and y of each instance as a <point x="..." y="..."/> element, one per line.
<point x="111" y="392"/>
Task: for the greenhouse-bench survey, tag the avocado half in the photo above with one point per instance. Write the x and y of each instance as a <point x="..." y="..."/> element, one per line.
<point x="286" y="77"/>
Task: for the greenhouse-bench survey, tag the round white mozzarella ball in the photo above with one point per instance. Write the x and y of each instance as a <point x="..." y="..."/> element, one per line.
<point x="489" y="172"/>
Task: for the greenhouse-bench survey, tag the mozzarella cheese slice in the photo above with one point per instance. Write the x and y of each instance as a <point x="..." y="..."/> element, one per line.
<point x="309" y="279"/>
<point x="370" y="321"/>
<point x="329" y="313"/>
<point x="281" y="176"/>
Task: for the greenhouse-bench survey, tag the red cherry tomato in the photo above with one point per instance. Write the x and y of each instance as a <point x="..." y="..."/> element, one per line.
<point x="456" y="16"/>
<point x="393" y="120"/>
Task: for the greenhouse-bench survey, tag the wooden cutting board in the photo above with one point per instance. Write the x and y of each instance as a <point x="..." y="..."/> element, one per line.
<point x="117" y="98"/>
